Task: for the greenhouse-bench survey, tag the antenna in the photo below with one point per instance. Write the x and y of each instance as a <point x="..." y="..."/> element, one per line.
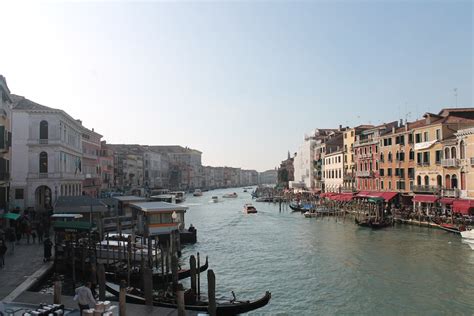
<point x="456" y="96"/>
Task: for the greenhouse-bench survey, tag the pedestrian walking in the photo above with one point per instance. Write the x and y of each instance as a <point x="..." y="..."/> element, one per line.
<point x="47" y="249"/>
<point x="3" y="251"/>
<point x="40" y="232"/>
<point x="18" y="236"/>
<point x="28" y="234"/>
<point x="33" y="235"/>
<point x="12" y="240"/>
<point x="84" y="297"/>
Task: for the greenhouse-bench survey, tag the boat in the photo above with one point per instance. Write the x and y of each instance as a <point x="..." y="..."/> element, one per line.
<point x="136" y="277"/>
<point x="249" y="209"/>
<point x="298" y="207"/>
<point x="168" y="198"/>
<point x="374" y="223"/>
<point x="223" y="308"/>
<point x="197" y="192"/>
<point x="264" y="199"/>
<point x="309" y="214"/>
<point x="468" y="234"/>
<point x="451" y="228"/>
<point x="215" y="199"/>
<point x="180" y="196"/>
<point x="469" y="242"/>
<point x="230" y="195"/>
<point x="245" y="190"/>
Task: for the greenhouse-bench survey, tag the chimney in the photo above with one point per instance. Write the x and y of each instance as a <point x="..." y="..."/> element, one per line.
<point x="340" y="127"/>
<point x="401" y="122"/>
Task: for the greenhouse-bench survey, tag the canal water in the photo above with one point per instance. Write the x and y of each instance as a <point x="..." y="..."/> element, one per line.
<point x="328" y="266"/>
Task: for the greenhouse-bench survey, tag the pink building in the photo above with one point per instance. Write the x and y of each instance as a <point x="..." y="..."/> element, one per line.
<point x="106" y="166"/>
<point x="91" y="147"/>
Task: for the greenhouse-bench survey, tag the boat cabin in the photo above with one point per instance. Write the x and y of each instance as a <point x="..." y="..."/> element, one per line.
<point x="168" y="198"/>
<point x="156" y="218"/>
<point x="123" y="203"/>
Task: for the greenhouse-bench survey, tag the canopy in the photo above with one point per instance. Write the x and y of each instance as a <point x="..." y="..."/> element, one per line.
<point x="13" y="216"/>
<point x="463" y="206"/>
<point x="446" y="200"/>
<point x="387" y="196"/>
<point x="376" y="199"/>
<point x="326" y="194"/>
<point x="363" y="194"/>
<point x="425" y="198"/>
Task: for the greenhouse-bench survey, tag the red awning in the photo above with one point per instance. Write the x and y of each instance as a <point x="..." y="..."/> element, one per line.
<point x="363" y="194"/>
<point x="327" y="194"/>
<point x="463" y="206"/>
<point x="447" y="201"/>
<point x="387" y="196"/>
<point x="425" y="198"/>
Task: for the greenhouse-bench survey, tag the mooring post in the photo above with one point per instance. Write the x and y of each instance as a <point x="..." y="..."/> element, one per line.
<point x="174" y="269"/>
<point x="211" y="292"/>
<point x="123" y="298"/>
<point x="180" y="300"/>
<point x="192" y="264"/>
<point x="101" y="277"/>
<point x="198" y="277"/>
<point x="148" y="286"/>
<point x="57" y="290"/>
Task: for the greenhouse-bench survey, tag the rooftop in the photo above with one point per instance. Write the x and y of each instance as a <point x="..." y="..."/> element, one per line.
<point x="22" y="103"/>
<point x="129" y="198"/>
<point x="158" y="206"/>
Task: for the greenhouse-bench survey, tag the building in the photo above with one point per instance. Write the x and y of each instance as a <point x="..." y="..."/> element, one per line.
<point x="91" y="147"/>
<point x="303" y="164"/>
<point x="465" y="138"/>
<point x="286" y="171"/>
<point x="268" y="177"/>
<point x="106" y="167"/>
<point x="156" y="169"/>
<point x="349" y="178"/>
<point x="46" y="155"/>
<point x="5" y="143"/>
<point x="366" y="149"/>
<point x="333" y="171"/>
<point x="437" y="166"/>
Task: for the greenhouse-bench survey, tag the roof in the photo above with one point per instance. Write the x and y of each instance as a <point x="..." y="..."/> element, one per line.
<point x="22" y="103"/>
<point x="79" y="204"/>
<point x="158" y="206"/>
<point x="129" y="198"/>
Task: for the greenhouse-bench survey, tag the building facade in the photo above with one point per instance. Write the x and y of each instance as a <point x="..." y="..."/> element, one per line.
<point x="106" y="163"/>
<point x="334" y="171"/>
<point x="91" y="146"/>
<point x="465" y="138"/>
<point x="5" y="143"/>
<point x="46" y="155"/>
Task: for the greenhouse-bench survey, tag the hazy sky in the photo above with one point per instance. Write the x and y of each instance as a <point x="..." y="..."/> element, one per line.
<point x="240" y="81"/>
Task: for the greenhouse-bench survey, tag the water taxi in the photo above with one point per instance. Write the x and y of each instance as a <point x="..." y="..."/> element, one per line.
<point x="215" y="199"/>
<point x="249" y="209"/>
<point x="180" y="196"/>
<point x="168" y="198"/>
<point x="197" y="192"/>
<point x="230" y="195"/>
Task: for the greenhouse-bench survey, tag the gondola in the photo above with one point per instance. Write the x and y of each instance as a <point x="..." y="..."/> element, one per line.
<point x="158" y="278"/>
<point x="450" y="228"/>
<point x="373" y="223"/>
<point x="223" y="309"/>
<point x="300" y="207"/>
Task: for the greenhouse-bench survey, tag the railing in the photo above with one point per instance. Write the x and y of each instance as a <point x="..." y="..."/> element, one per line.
<point x="453" y="162"/>
<point x="425" y="188"/>
<point x="42" y="175"/>
<point x="455" y="193"/>
<point x="365" y="141"/>
<point x="364" y="174"/>
<point x="43" y="141"/>
<point x="423" y="164"/>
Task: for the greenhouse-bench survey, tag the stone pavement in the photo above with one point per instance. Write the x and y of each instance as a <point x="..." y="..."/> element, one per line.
<point x="20" y="265"/>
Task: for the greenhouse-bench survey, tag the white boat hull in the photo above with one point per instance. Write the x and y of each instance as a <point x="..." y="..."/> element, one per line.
<point x="468" y="234"/>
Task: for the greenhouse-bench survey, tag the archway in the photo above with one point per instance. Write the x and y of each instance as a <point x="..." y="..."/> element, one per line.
<point x="447" y="182"/>
<point x="43" y="198"/>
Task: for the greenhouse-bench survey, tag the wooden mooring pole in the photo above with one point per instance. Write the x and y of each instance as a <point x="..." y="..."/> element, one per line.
<point x="57" y="290"/>
<point x="123" y="298"/>
<point x="148" y="286"/>
<point x="180" y="300"/>
<point x="101" y="277"/>
<point x="211" y="292"/>
<point x="192" y="264"/>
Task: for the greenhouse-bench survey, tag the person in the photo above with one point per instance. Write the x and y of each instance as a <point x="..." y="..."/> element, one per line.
<point x="12" y="239"/>
<point x="18" y="236"/>
<point x="84" y="297"/>
<point x="3" y="251"/>
<point x="40" y="232"/>
<point x="47" y="249"/>
<point x="33" y="235"/>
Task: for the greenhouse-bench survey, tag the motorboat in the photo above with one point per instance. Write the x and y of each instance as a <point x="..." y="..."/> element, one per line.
<point x="197" y="192"/>
<point x="230" y="195"/>
<point x="468" y="234"/>
<point x="469" y="242"/>
<point x="215" y="199"/>
<point x="249" y="209"/>
<point x="169" y="198"/>
<point x="245" y="190"/>
<point x="180" y="196"/>
<point x="451" y="228"/>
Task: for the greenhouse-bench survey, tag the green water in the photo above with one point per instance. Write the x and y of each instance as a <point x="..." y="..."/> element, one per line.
<point x="327" y="266"/>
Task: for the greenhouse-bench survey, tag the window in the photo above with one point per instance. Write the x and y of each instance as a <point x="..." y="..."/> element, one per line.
<point x="427" y="180"/>
<point x="425" y="136"/>
<point x="381" y="184"/>
<point x="19" y="194"/>
<point x="462" y="150"/>
<point x="439" y="180"/>
<point x="418" y="180"/>
<point x="418" y="138"/>
<point x="410" y="138"/>
<point x="426" y="158"/>
<point x="43" y="130"/>
<point x="439" y="154"/>
<point x="345" y="135"/>
<point x="2" y="137"/>
<point x="389" y="172"/>
<point x="401" y="172"/>
<point x="453" y="152"/>
<point x="397" y="172"/>
<point x="389" y="157"/>
<point x="381" y="157"/>
<point x="389" y="185"/>
<point x="43" y="162"/>
<point x="446" y="153"/>
<point x="412" y="154"/>
<point x="401" y="156"/>
<point x="438" y="134"/>
<point x="400" y="185"/>
<point x="382" y="172"/>
<point x="411" y="173"/>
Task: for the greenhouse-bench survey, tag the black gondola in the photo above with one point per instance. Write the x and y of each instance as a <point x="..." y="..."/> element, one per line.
<point x="223" y="309"/>
<point x="158" y="278"/>
<point x="373" y="223"/>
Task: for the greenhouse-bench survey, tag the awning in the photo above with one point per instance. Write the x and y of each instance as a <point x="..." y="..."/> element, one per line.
<point x="345" y="197"/>
<point x="447" y="201"/>
<point x="375" y="199"/>
<point x="388" y="196"/>
<point x="326" y="194"/>
<point x="363" y="194"/>
<point x="425" y="198"/>
<point x="13" y="216"/>
<point x="463" y="206"/>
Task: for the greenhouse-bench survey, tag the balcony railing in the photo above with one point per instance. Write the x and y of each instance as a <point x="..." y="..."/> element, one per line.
<point x="364" y="174"/>
<point x="43" y="141"/>
<point x="455" y="193"/>
<point x="365" y="142"/>
<point x="425" y="188"/>
<point x="450" y="163"/>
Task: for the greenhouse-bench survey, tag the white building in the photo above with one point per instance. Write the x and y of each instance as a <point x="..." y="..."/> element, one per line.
<point x="304" y="165"/>
<point x="156" y="169"/>
<point x="333" y="171"/>
<point x="46" y="155"/>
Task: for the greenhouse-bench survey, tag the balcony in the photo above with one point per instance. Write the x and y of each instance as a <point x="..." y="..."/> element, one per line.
<point x="454" y="193"/>
<point x="423" y="164"/>
<point x="364" y="174"/>
<point x="365" y="142"/>
<point x="425" y="189"/>
<point x="450" y="163"/>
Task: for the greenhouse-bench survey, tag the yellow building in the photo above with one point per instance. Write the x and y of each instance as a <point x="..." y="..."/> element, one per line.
<point x="434" y="171"/>
<point x="465" y="145"/>
<point x="348" y="150"/>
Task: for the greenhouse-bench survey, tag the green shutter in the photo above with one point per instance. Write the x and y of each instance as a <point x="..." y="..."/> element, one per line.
<point x="2" y="137"/>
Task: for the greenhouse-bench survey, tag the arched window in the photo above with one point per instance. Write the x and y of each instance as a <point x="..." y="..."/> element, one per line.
<point x="454" y="181"/>
<point x="446" y="153"/>
<point x="418" y="180"/>
<point x="453" y="152"/>
<point x="43" y="130"/>
<point x="462" y="150"/>
<point x="389" y="157"/>
<point x="447" y="183"/>
<point x="439" y="181"/>
<point x="43" y="162"/>
<point x="427" y="180"/>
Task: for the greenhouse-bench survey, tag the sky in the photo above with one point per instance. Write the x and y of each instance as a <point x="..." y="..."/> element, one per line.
<point x="240" y="81"/>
